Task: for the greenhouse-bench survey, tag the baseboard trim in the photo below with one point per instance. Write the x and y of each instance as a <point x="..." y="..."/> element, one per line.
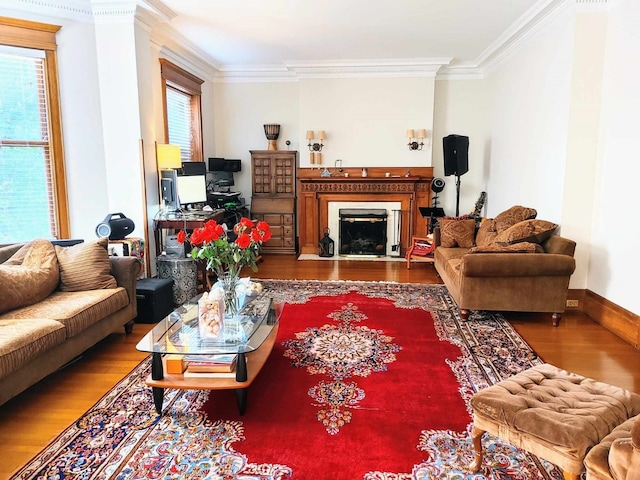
<point x="621" y="322"/>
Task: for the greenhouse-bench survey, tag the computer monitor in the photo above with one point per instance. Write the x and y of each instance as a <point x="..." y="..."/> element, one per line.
<point x="221" y="180"/>
<point x="191" y="189"/>
<point x="168" y="189"/>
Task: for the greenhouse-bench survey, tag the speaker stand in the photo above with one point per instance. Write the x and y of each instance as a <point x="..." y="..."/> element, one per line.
<point x="457" y="195"/>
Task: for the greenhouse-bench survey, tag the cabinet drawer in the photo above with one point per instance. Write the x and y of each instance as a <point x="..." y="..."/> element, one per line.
<point x="287" y="232"/>
<point x="273" y="219"/>
<point x="287" y="219"/>
<point x="287" y="242"/>
<point x="276" y="230"/>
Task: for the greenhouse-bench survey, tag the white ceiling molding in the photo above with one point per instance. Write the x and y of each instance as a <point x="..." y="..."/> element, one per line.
<point x="255" y="74"/>
<point x="460" y="72"/>
<point x="185" y="59"/>
<point x="78" y="10"/>
<point x="594" y="5"/>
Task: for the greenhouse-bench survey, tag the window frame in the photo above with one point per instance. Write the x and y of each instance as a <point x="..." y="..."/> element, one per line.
<point x="179" y="79"/>
<point x="42" y="36"/>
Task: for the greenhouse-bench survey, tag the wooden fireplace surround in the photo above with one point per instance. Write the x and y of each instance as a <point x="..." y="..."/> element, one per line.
<point x="315" y="192"/>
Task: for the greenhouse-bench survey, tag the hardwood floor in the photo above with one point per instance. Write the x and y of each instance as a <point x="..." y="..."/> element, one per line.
<point x="34" y="418"/>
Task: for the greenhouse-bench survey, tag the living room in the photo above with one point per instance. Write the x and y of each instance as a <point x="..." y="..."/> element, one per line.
<point x="549" y="111"/>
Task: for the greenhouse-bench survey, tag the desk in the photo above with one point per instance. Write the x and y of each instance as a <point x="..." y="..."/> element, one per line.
<point x="180" y="221"/>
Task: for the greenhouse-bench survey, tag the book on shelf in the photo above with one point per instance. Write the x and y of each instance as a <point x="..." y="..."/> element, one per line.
<point x="211" y="363"/>
<point x="191" y="374"/>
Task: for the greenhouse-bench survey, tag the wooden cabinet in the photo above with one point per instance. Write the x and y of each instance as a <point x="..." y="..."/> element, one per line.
<point x="273" y="186"/>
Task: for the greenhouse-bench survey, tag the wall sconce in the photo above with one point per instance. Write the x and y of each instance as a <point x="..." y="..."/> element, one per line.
<point x="413" y="144"/>
<point x="315" y="147"/>
<point x="168" y="156"/>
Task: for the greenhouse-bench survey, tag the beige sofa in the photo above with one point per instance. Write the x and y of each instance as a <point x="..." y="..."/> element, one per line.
<point x="56" y="302"/>
<point x="511" y="263"/>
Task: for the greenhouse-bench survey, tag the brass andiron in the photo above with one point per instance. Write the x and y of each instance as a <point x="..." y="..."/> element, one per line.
<point x="272" y="131"/>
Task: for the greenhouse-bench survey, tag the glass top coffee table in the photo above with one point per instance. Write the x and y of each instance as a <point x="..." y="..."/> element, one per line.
<point x="251" y="335"/>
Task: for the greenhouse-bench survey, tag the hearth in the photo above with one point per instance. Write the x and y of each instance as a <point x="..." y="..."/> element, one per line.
<point x="363" y="231"/>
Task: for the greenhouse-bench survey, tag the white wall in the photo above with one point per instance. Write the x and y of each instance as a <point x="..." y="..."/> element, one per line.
<point x="529" y="103"/>
<point x="461" y="108"/>
<point x="241" y="110"/>
<point x="616" y="229"/>
<point x="366" y="119"/>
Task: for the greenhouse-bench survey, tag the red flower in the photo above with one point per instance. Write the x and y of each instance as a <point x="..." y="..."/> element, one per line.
<point x="266" y="235"/>
<point x="182" y="235"/>
<point x="197" y="236"/>
<point x="246" y="222"/>
<point x="243" y="240"/>
<point x="263" y="226"/>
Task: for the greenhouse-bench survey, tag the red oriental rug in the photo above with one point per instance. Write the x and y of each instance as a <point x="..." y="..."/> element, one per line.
<point x="366" y="381"/>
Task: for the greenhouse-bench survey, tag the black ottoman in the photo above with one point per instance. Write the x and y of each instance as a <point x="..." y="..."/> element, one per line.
<point x="155" y="299"/>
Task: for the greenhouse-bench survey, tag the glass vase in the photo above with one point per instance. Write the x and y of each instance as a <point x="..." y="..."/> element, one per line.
<point x="229" y="282"/>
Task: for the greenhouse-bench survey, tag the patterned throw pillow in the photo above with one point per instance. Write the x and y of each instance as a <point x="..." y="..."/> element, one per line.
<point x="522" y="247"/>
<point x="457" y="233"/>
<point x="486" y="233"/>
<point x="515" y="214"/>
<point x="85" y="266"/>
<point x="32" y="280"/>
<point x="534" y="231"/>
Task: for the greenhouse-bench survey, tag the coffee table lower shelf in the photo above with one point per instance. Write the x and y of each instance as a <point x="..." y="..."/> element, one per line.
<point x="254" y="362"/>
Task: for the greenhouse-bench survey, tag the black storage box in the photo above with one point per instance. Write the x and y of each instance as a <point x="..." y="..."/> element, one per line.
<point x="155" y="299"/>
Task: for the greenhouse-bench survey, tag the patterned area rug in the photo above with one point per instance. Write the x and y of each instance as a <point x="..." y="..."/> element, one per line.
<point x="355" y="388"/>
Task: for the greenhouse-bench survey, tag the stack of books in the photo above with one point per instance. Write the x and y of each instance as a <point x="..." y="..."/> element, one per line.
<point x="213" y="366"/>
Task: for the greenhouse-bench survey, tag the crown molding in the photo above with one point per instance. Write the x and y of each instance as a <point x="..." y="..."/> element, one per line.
<point x="293" y="71"/>
<point x="79" y="10"/>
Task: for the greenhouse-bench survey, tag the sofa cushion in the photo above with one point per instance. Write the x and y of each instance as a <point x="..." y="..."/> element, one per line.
<point x="522" y="247"/>
<point x="457" y="233"/>
<point x="534" y="231"/>
<point x="32" y="280"/>
<point x="75" y="310"/>
<point x="486" y="233"/>
<point x="18" y="257"/>
<point x="22" y="340"/>
<point x="512" y="216"/>
<point x="612" y="457"/>
<point x="85" y="266"/>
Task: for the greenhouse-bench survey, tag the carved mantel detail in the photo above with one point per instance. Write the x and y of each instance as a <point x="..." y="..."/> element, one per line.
<point x="316" y="192"/>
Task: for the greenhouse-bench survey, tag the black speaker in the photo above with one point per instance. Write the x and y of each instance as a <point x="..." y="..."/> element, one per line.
<point x="437" y="185"/>
<point x="115" y="228"/>
<point x="217" y="164"/>
<point x="456" y="154"/>
<point x="232" y="165"/>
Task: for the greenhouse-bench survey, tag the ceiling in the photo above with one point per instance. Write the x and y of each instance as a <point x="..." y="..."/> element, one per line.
<point x="246" y="34"/>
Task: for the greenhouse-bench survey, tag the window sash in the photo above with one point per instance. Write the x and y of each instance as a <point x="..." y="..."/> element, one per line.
<point x="178" y="88"/>
<point x="42" y="142"/>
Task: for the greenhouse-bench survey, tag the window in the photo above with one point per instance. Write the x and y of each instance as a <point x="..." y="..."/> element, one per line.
<point x="33" y="199"/>
<point x="183" y="123"/>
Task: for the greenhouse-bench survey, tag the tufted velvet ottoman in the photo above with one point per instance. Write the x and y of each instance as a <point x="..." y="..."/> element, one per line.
<point x="551" y="413"/>
<point x="618" y="455"/>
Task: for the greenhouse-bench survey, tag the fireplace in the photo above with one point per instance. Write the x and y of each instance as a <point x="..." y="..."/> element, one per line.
<point x="363" y="231"/>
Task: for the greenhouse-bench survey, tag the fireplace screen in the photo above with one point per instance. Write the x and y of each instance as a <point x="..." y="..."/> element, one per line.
<point x="363" y="231"/>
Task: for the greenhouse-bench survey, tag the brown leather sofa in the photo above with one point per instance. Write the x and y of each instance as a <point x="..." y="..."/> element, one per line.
<point x="510" y="263"/>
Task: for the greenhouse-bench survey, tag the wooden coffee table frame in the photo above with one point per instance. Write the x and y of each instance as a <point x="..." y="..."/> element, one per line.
<point x="247" y="369"/>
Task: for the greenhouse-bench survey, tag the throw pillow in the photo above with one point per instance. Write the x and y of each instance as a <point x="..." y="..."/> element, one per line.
<point x="31" y="281"/>
<point x="457" y="233"/>
<point x="85" y="266"/>
<point x="486" y="233"/>
<point x="18" y="256"/>
<point x="522" y="247"/>
<point x="535" y="231"/>
<point x="515" y="214"/>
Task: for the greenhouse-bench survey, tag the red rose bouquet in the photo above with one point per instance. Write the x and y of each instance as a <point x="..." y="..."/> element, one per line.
<point x="223" y="255"/>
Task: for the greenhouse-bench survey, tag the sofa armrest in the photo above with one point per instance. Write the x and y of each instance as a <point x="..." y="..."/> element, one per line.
<point x="126" y="270"/>
<point x="516" y="264"/>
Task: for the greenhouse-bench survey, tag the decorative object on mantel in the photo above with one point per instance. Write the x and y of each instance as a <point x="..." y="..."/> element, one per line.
<point x="411" y="135"/>
<point x="364" y="172"/>
<point x="272" y="132"/>
<point x="315" y="148"/>
<point x="325" y="172"/>
<point x="326" y="245"/>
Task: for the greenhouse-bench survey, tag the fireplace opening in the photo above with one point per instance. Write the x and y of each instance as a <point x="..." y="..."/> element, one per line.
<point x="363" y="231"/>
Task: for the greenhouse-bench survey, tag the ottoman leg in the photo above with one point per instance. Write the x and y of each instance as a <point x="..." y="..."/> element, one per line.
<point x="570" y="476"/>
<point x="476" y="437"/>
